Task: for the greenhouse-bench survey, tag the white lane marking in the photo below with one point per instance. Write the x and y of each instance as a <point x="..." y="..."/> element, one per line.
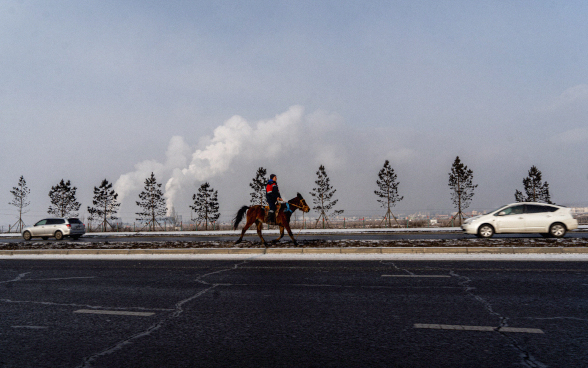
<point x="31" y="327"/>
<point x="63" y="278"/>
<point x="477" y="328"/>
<point x="97" y="307"/>
<point x="120" y="313"/>
<point x="416" y="276"/>
<point x="18" y="278"/>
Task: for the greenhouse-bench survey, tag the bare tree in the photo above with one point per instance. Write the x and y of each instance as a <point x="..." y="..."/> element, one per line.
<point x="63" y="200"/>
<point x="152" y="203"/>
<point x="535" y="189"/>
<point x="20" y="201"/>
<point x="206" y="205"/>
<point x="462" y="187"/>
<point x="258" y="185"/>
<point x="388" y="191"/>
<point x="322" y="197"/>
<point x="105" y="204"/>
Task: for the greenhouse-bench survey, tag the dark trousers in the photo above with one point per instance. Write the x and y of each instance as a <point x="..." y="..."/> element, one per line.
<point x="271" y="202"/>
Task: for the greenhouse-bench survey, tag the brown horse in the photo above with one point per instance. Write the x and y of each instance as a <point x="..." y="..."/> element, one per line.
<point x="257" y="214"/>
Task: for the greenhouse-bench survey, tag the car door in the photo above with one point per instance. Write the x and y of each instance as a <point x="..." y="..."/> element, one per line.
<point x="54" y="224"/>
<point x="511" y="219"/>
<point x="538" y="218"/>
<point x="40" y="228"/>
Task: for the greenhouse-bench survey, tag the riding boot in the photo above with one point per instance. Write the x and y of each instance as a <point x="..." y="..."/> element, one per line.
<point x="271" y="218"/>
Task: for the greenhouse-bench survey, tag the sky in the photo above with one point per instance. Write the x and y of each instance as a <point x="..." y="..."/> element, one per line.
<point x="209" y="91"/>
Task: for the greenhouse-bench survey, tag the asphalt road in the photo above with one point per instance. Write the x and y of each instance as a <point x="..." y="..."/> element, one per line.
<point x="261" y="313"/>
<point x="268" y="236"/>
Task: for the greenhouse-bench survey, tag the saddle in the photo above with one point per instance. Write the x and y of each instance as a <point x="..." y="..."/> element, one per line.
<point x="266" y="217"/>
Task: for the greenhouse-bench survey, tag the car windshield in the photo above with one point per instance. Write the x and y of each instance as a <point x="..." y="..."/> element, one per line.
<point x="498" y="209"/>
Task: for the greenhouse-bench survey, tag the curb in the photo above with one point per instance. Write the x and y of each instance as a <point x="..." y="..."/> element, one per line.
<point x="399" y="250"/>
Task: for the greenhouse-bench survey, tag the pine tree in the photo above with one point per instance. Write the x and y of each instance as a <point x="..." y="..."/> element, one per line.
<point x="258" y="185"/>
<point x="63" y="200"/>
<point x="20" y="201"/>
<point x="462" y="187"/>
<point x="388" y="191"/>
<point x="322" y="197"/>
<point x="152" y="203"/>
<point x="105" y="204"/>
<point x="535" y="189"/>
<point x="206" y="205"/>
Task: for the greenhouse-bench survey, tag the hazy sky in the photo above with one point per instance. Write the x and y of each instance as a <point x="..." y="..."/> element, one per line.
<point x="211" y="90"/>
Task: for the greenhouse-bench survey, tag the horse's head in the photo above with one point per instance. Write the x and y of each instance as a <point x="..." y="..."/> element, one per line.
<point x="302" y="203"/>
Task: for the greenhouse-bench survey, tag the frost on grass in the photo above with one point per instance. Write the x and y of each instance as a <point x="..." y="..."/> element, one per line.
<point x="312" y="243"/>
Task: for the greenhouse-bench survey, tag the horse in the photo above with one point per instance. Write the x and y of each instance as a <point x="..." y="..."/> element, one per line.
<point x="257" y="214"/>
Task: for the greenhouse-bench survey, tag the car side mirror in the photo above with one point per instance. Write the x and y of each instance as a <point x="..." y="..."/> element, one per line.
<point x="501" y="213"/>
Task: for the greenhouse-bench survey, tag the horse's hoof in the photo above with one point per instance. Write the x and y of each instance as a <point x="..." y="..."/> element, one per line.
<point x="238" y="241"/>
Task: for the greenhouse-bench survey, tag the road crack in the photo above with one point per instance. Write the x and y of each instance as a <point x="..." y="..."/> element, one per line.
<point x="526" y="358"/>
<point x="88" y="362"/>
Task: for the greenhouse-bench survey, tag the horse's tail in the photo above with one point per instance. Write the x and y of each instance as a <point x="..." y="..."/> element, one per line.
<point x="239" y="216"/>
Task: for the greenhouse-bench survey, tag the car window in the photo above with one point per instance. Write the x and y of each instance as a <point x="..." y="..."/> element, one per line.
<point x="55" y="221"/>
<point x="551" y="208"/>
<point x="514" y="210"/>
<point x="42" y="222"/>
<point x="74" y="221"/>
<point x="536" y="208"/>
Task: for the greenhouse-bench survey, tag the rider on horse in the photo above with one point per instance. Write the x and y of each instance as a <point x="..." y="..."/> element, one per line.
<point x="272" y="194"/>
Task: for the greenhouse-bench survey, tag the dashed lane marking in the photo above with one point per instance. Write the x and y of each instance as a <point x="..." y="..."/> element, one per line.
<point x="478" y="328"/>
<point x="416" y="276"/>
<point x="119" y="313"/>
<point x="31" y="327"/>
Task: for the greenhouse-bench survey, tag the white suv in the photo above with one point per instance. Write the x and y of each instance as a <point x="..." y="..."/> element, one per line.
<point x="523" y="217"/>
<point x="55" y="227"/>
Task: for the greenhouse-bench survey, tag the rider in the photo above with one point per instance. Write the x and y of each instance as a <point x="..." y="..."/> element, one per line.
<point x="272" y="194"/>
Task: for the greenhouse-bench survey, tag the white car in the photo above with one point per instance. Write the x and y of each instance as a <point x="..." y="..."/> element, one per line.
<point x="55" y="227"/>
<point x="523" y="217"/>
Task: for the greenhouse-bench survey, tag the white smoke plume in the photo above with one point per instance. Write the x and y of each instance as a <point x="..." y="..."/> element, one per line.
<point x="236" y="138"/>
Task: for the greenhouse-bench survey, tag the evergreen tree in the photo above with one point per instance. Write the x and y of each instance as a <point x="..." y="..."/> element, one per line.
<point x="322" y="197"/>
<point x="20" y="201"/>
<point x="152" y="203"/>
<point x="206" y="205"/>
<point x="388" y="191"/>
<point x="63" y="200"/>
<point x="535" y="189"/>
<point x="105" y="204"/>
<point x="258" y="185"/>
<point x="462" y="187"/>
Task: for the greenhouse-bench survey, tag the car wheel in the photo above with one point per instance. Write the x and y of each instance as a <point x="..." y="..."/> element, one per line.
<point x="557" y="230"/>
<point x="26" y="235"/>
<point x="58" y="235"/>
<point x="485" y="231"/>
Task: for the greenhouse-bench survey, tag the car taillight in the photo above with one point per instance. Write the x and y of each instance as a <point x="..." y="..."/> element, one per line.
<point x="68" y="225"/>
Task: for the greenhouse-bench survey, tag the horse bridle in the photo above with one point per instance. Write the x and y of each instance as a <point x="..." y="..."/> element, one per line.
<point x="295" y="205"/>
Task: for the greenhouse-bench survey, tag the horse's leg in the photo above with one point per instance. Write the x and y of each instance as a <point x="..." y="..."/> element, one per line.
<point x="247" y="225"/>
<point x="287" y="226"/>
<point x="259" y="226"/>
<point x="281" y="235"/>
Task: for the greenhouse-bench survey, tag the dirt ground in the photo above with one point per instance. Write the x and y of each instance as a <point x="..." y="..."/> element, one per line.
<point x="496" y="242"/>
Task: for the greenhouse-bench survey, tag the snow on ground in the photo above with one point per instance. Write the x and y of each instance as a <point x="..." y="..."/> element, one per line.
<point x="322" y="257"/>
<point x="276" y="231"/>
<point x="304" y="243"/>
